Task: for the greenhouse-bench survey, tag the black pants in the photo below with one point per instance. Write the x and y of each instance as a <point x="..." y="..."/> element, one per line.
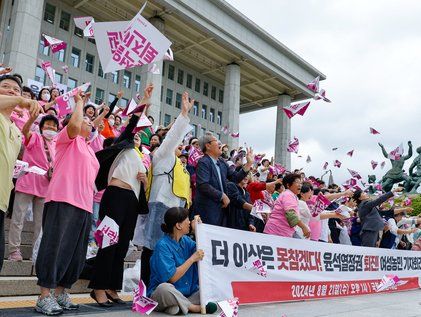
<point x="1" y="238"/>
<point x="64" y="242"/>
<point x="120" y="205"/>
<point x="369" y="238"/>
<point x="145" y="268"/>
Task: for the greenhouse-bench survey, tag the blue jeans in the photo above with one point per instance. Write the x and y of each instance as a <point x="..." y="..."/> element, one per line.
<point x="95" y="215"/>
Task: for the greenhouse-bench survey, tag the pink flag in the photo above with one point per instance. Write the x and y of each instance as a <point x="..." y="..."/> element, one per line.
<point x="279" y="169"/>
<point x="298" y="108"/>
<point x="314" y="85"/>
<point x="169" y="55"/>
<point x="65" y="68"/>
<point x="128" y="110"/>
<point x="379" y="187"/>
<point x="350" y="153"/>
<point x="49" y="70"/>
<point x="107" y="232"/>
<point x="124" y="45"/>
<point x="142" y="123"/>
<point x="141" y="303"/>
<point x="56" y="44"/>
<point x="407" y="201"/>
<point x="397" y="153"/>
<point x="374" y="164"/>
<point x="194" y="156"/>
<point x="337" y="163"/>
<point x="66" y="102"/>
<point x="229" y="307"/>
<point x="382" y="164"/>
<point x="85" y="23"/>
<point x="350" y="183"/>
<point x="225" y="130"/>
<point x="154" y="69"/>
<point x="322" y="95"/>
<point x="308" y="160"/>
<point x="293" y="145"/>
<point x="321" y="204"/>
<point x="374" y="131"/>
<point x="325" y="165"/>
<point x="354" y="174"/>
<point x="235" y="135"/>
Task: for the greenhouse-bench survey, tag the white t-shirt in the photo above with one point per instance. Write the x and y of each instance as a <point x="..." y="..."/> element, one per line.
<point x="325" y="231"/>
<point x="263" y="174"/>
<point x="305" y="216"/>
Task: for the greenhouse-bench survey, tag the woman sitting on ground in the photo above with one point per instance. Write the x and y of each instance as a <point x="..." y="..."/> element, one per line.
<point x="174" y="282"/>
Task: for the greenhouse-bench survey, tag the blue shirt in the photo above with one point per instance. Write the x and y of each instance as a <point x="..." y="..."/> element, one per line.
<point x="167" y="256"/>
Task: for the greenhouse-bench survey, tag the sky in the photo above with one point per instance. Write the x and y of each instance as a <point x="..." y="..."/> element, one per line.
<point x="370" y="52"/>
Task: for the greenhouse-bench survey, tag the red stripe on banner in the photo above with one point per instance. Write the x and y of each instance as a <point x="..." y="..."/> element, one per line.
<point x="264" y="292"/>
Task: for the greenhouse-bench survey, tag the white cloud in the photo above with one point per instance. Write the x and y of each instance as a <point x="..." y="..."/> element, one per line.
<point x="370" y="52"/>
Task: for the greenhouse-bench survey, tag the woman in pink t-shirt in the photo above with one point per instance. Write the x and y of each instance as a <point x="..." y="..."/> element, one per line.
<point x="67" y="214"/>
<point x="285" y="214"/>
<point x="32" y="188"/>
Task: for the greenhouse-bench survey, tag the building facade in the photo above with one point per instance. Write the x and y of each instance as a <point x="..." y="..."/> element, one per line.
<point x="226" y="63"/>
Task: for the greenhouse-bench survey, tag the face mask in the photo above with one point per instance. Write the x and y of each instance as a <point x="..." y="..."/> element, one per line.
<point x="46" y="97"/>
<point x="92" y="135"/>
<point x="111" y="122"/>
<point x="49" y="134"/>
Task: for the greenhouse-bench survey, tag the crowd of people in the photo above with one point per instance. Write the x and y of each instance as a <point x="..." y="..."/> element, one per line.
<point x="99" y="165"/>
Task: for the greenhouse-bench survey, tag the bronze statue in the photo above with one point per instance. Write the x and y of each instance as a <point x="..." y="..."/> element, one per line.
<point x="395" y="174"/>
<point x="414" y="180"/>
<point x="372" y="184"/>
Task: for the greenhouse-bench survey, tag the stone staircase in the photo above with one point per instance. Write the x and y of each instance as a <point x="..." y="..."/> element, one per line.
<point x="19" y="279"/>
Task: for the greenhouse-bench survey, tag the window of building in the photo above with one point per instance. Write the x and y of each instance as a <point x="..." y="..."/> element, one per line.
<point x="78" y="32"/>
<point x="195" y="130"/>
<point x="197" y="85"/>
<point x="196" y="108"/>
<point x="168" y="99"/>
<point x="180" y="77"/>
<point x="49" y="13"/>
<point x="218" y="135"/>
<point x="99" y="96"/>
<point x="137" y="83"/>
<point x="189" y="80"/>
<point x="92" y="40"/>
<point x="167" y="119"/>
<point x="219" y="118"/>
<point x="205" y="88"/>
<point x="178" y="100"/>
<point x="213" y="93"/>
<point x="60" y="55"/>
<point x="212" y="115"/>
<point x="100" y="71"/>
<point x="64" y="20"/>
<point x="111" y="98"/>
<point x="40" y="75"/>
<point x="221" y="96"/>
<point x="163" y="68"/>
<point x="89" y="63"/>
<point x="71" y="83"/>
<point x="114" y="77"/>
<point x="203" y="131"/>
<point x="59" y="78"/>
<point x="204" y="112"/>
<point x="162" y="92"/>
<point x="171" y="70"/>
<point x="42" y="48"/>
<point x="127" y="78"/>
<point x="123" y="103"/>
<point x="75" y="57"/>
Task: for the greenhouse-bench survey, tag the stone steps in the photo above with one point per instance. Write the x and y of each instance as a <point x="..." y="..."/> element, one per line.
<point x="25" y="237"/>
<point x="12" y="269"/>
<point x="27" y="285"/>
<point x="26" y="251"/>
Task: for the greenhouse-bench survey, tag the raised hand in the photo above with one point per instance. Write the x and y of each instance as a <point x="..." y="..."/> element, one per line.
<point x="186" y="105"/>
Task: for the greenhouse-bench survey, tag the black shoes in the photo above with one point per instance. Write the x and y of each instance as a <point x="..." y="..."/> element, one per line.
<point x="118" y="301"/>
<point x="106" y="304"/>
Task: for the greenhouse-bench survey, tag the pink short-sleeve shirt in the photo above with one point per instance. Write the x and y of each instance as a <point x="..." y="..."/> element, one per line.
<point x="277" y="223"/>
<point x="75" y="170"/>
<point x="35" y="155"/>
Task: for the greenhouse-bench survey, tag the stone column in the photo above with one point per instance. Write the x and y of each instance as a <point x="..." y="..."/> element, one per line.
<point x="156" y="80"/>
<point x="23" y="37"/>
<point x="231" y="107"/>
<point x="283" y="132"/>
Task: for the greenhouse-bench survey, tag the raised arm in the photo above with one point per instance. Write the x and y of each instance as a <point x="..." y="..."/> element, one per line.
<point x="114" y="103"/>
<point x="237" y="176"/>
<point x="8" y="103"/>
<point x="409" y="151"/>
<point x="378" y="201"/>
<point x="75" y="124"/>
<point x="384" y="151"/>
<point x="26" y="129"/>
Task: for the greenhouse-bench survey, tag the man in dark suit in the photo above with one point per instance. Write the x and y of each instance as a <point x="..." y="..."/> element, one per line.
<point x="213" y="174"/>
